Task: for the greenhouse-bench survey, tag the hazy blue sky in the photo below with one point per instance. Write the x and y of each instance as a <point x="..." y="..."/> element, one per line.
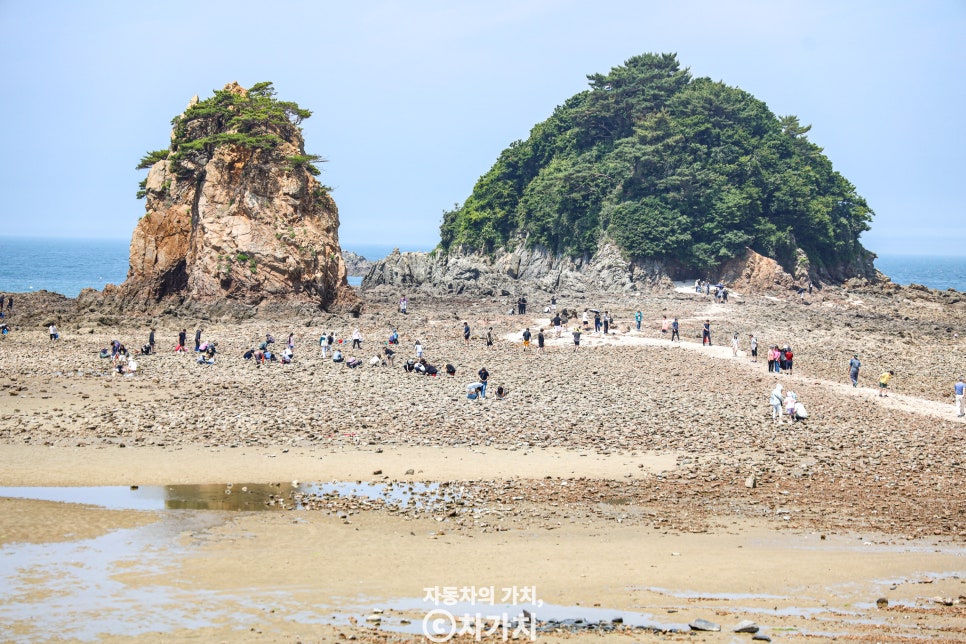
<point x="413" y="101"/>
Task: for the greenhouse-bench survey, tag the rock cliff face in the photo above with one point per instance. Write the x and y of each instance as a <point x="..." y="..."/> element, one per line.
<point x="239" y="222"/>
<point x="754" y="273"/>
<point x="507" y="272"/>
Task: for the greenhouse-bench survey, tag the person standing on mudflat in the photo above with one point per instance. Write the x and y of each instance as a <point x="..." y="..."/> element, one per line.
<point x="959" y="389"/>
<point x="854" y="366"/>
<point x="706" y="333"/>
<point x="484" y="377"/>
<point x="674" y="330"/>
<point x="198" y="339"/>
<point x="776" y="400"/>
<point x="466" y="333"/>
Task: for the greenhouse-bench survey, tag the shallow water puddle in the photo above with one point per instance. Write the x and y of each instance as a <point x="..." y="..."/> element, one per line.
<point x="442" y="618"/>
<point x="70" y="589"/>
<point x="227" y="497"/>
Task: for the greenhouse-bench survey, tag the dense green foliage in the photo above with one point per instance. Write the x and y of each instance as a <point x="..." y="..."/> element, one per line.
<point x="668" y="167"/>
<point x="256" y="120"/>
<point x="151" y="158"/>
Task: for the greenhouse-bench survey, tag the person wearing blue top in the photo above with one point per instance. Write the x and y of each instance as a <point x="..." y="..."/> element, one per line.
<point x="960" y="389"/>
<point x="854" y="366"/>
<point x="638" y="316"/>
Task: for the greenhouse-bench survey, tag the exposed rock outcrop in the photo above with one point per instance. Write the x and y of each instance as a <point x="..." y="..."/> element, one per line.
<point x="754" y="273"/>
<point x="509" y="272"/>
<point x="521" y="270"/>
<point x="247" y="223"/>
<point x="356" y="265"/>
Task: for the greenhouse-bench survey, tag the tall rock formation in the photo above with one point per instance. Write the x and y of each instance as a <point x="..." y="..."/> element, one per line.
<point x="234" y="212"/>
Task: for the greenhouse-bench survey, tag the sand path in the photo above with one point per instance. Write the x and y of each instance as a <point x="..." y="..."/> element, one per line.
<point x="870" y="395"/>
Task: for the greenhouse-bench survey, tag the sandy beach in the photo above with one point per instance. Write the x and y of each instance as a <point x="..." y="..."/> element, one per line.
<point x="634" y="478"/>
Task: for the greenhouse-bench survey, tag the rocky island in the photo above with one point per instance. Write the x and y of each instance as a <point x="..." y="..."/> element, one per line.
<point x="234" y="212"/>
<point x="648" y="176"/>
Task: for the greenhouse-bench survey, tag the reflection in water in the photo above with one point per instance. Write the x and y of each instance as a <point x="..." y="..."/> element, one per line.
<point x="225" y="497"/>
<point x="72" y="589"/>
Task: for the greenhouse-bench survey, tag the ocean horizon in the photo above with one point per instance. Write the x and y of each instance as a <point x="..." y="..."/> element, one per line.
<point x="67" y="266"/>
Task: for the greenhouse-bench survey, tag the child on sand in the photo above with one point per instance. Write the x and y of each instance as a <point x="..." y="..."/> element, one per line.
<point x="884" y="382"/>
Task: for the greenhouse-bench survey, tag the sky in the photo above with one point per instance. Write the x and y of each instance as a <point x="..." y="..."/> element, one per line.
<point x="413" y="101"/>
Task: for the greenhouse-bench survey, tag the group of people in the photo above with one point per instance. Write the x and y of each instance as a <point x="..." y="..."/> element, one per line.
<point x="541" y="340"/>
<point x="265" y="353"/>
<point x="121" y="359"/>
<point x="780" y="359"/>
<point x="477" y="390"/>
<point x="602" y="323"/>
<point x="783" y="404"/>
<point x="720" y="291"/>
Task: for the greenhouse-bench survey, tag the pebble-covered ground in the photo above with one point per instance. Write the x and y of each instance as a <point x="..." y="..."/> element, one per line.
<point x="895" y="465"/>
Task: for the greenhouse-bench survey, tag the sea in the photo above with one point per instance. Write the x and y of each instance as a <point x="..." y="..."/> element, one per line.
<point x="67" y="266"/>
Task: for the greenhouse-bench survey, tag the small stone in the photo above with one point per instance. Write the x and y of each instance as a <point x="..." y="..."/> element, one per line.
<point x="704" y="625"/>
<point x="761" y="637"/>
<point x="746" y="626"/>
<point x="882" y="602"/>
<point x="377" y="473"/>
<point x="751" y="482"/>
<point x="410" y="472"/>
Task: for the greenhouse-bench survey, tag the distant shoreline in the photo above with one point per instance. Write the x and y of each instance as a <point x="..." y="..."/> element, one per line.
<point x="66" y="266"/>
